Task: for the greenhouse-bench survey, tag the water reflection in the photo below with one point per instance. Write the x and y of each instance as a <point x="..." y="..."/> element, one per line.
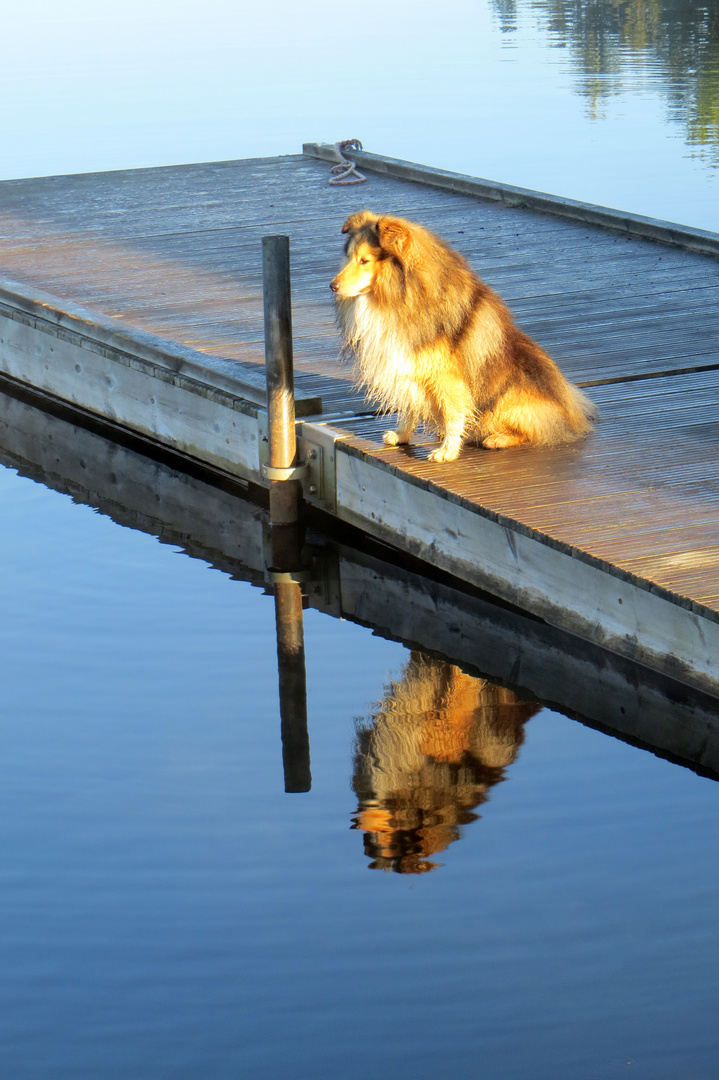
<point x="435" y="745"/>
<point x="456" y="732"/>
<point x="611" y="42"/>
<point x="283" y="559"/>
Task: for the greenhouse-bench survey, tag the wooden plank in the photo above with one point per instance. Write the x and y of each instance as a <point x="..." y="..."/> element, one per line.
<point x="168" y="408"/>
<point x="633" y="224"/>
<point x="561" y="584"/>
<point x="638" y="495"/>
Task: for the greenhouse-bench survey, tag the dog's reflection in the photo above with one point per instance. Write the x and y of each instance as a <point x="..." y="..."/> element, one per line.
<point x="435" y="745"/>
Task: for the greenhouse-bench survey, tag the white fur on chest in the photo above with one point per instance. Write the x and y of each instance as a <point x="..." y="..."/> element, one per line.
<point x="384" y="363"/>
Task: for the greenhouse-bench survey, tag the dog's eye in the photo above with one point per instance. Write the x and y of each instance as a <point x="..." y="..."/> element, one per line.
<point x="363" y="262"/>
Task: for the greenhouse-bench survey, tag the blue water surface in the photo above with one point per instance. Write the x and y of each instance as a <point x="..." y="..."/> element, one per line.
<point x="167" y="911"/>
<point x="612" y="103"/>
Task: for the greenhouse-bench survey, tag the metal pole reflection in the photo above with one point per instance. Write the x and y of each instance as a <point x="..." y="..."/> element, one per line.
<point x="291" y="660"/>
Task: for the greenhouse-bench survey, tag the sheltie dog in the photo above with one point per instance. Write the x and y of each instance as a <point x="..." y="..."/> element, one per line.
<point x="435" y="344"/>
<point x="429" y="755"/>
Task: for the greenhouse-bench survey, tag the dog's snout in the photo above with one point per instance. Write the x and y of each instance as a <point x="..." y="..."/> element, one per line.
<point x="334" y="286"/>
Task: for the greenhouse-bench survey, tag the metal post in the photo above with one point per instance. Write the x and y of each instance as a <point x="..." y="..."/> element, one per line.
<point x="282" y="470"/>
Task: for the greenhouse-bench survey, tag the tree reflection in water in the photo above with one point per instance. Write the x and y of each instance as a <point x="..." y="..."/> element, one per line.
<point x="673" y="42"/>
<point x="434" y="746"/>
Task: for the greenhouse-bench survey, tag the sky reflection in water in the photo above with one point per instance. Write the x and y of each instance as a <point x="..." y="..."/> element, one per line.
<point x="166" y="910"/>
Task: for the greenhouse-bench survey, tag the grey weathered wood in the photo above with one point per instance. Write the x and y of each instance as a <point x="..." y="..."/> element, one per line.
<point x="568" y="588"/>
<point x="158" y="400"/>
<point x="633" y="224"/>
<point x="174" y="254"/>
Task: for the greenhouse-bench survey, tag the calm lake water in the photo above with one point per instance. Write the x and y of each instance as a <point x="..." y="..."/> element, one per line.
<point x="611" y="101"/>
<point x="476" y="885"/>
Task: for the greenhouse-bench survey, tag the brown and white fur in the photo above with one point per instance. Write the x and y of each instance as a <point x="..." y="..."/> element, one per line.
<point x="435" y="344"/>
<point x="435" y="745"/>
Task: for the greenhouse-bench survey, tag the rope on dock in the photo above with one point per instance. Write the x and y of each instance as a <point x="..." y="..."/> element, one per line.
<point x="346" y="171"/>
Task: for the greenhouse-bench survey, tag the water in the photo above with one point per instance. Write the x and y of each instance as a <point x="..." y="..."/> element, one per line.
<point x="475" y="885"/>
<point x="614" y="103"/>
<point x="534" y="898"/>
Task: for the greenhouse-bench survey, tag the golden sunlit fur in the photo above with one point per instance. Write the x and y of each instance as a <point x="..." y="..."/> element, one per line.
<point x="435" y="344"/>
<point x="436" y="744"/>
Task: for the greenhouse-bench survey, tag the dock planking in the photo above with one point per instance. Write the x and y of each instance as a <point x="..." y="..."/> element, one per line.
<point x="175" y="254"/>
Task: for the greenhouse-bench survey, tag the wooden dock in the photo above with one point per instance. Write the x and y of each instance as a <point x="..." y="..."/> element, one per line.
<point x="136" y="297"/>
<point x="369" y="584"/>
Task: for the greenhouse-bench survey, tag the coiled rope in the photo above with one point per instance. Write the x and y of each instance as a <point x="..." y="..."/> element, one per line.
<point x="346" y="171"/>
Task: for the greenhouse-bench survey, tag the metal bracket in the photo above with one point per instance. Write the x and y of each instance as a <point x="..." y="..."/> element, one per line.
<point x="316" y="441"/>
<point x="267" y="471"/>
<point x="294" y="472"/>
<point x="318" y="575"/>
<point x="263" y="438"/>
<point x="281" y="577"/>
<point x="316" y="453"/>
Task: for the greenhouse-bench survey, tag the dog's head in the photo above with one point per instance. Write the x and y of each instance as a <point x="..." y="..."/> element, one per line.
<point x="375" y="245"/>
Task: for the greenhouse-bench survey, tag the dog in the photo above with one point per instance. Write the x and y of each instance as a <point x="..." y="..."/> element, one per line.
<point x="435" y="344"/>
<point x="435" y="745"/>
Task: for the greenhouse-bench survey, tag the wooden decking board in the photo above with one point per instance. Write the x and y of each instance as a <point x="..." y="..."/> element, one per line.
<point x="290" y="191"/>
<point x="576" y="307"/>
<point x="621" y="495"/>
<point x="646" y="353"/>
<point x="516" y="286"/>
<point x="494" y="251"/>
<point x="639" y="314"/>
<point x="197" y="244"/>
<point x="88" y="216"/>
<point x="540" y="203"/>
<point x="177" y="252"/>
<point x="620" y="327"/>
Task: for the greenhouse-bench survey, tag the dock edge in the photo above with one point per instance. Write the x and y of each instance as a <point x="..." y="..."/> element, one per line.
<point x="646" y="228"/>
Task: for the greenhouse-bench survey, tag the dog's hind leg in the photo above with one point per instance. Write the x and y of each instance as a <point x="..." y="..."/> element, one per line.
<point x="406" y="423"/>
<point x="502" y="440"/>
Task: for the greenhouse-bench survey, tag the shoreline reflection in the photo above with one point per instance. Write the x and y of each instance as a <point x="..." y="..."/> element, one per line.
<point x="673" y="43"/>
<point x="433" y="748"/>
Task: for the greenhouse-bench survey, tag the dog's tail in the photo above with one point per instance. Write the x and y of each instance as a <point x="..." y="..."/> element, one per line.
<point x="580" y="411"/>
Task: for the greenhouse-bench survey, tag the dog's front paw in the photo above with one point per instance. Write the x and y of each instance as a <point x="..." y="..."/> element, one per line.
<point x="444" y="453"/>
<point x="392" y="438"/>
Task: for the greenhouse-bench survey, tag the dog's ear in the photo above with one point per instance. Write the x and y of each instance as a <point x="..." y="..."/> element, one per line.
<point x="394" y="237"/>
<point x="355" y="221"/>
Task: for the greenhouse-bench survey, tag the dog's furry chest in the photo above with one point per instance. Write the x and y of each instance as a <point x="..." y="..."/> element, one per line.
<point x="383" y="360"/>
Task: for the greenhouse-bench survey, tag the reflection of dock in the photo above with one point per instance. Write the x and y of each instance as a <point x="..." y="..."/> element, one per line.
<point x="366" y="586"/>
<point x="613" y="540"/>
